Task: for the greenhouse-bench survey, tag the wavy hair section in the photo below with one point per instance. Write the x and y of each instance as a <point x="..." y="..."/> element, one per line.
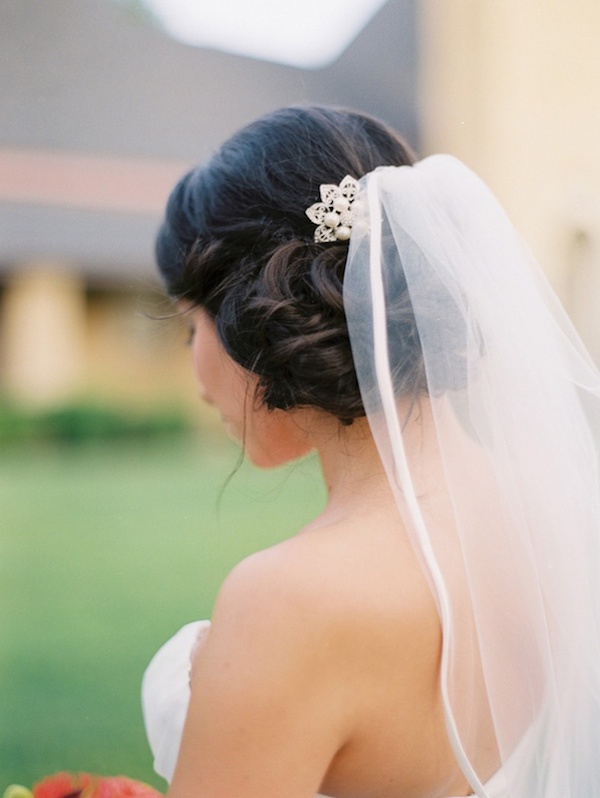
<point x="236" y="241"/>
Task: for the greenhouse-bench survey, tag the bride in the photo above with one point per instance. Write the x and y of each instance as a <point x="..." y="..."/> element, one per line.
<point x="434" y="632"/>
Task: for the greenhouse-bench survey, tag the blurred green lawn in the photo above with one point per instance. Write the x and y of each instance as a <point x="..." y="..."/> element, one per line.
<point x="105" y="551"/>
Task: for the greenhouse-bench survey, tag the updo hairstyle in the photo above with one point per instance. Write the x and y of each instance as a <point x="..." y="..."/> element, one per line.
<point x="236" y="241"/>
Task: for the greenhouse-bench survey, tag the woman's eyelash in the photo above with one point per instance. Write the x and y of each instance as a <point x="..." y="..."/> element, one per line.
<point x="190" y="335"/>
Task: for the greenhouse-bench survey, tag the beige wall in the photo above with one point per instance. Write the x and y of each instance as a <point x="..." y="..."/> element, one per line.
<point x="62" y="341"/>
<point x="42" y="330"/>
<point x="135" y="349"/>
<point x="513" y="88"/>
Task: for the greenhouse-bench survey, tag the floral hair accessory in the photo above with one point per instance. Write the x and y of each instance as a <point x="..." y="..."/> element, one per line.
<point x="333" y="214"/>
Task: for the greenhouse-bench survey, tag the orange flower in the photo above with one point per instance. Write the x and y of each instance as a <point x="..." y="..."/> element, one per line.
<point x="82" y="785"/>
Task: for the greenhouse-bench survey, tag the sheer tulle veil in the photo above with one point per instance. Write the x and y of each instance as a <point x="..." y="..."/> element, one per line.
<point x="514" y="564"/>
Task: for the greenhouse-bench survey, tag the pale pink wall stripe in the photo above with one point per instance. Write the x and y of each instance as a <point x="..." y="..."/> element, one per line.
<point x="90" y="182"/>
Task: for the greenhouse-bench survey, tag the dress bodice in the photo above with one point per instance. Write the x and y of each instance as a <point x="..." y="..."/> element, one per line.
<point x="165" y="697"/>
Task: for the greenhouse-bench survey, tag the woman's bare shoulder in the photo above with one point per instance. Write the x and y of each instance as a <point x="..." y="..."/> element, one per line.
<point x="331" y="576"/>
<point x="312" y="642"/>
<point x="259" y="685"/>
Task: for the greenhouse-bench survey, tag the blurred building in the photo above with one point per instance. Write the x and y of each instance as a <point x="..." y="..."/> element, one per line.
<point x="100" y="113"/>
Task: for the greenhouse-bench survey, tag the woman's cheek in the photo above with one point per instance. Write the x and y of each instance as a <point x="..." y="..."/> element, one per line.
<point x="274" y="437"/>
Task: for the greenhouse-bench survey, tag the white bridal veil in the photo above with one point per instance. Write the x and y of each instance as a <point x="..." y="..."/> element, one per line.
<point x="516" y="575"/>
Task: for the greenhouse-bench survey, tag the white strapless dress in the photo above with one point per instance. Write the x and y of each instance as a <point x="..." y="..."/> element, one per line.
<point x="165" y="697"/>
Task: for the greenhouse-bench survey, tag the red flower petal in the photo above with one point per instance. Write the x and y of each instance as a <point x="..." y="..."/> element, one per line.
<point x="82" y="785"/>
<point x="60" y="785"/>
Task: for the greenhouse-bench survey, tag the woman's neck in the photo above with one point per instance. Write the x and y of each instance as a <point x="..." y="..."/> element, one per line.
<point x="351" y="463"/>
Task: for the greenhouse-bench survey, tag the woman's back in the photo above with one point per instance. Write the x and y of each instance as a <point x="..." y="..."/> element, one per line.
<point x="333" y="639"/>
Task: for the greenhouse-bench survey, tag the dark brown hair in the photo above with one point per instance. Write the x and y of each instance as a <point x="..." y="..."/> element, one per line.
<point x="237" y="242"/>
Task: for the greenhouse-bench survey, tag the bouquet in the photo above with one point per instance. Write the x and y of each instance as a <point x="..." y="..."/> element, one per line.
<point x="83" y="785"/>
